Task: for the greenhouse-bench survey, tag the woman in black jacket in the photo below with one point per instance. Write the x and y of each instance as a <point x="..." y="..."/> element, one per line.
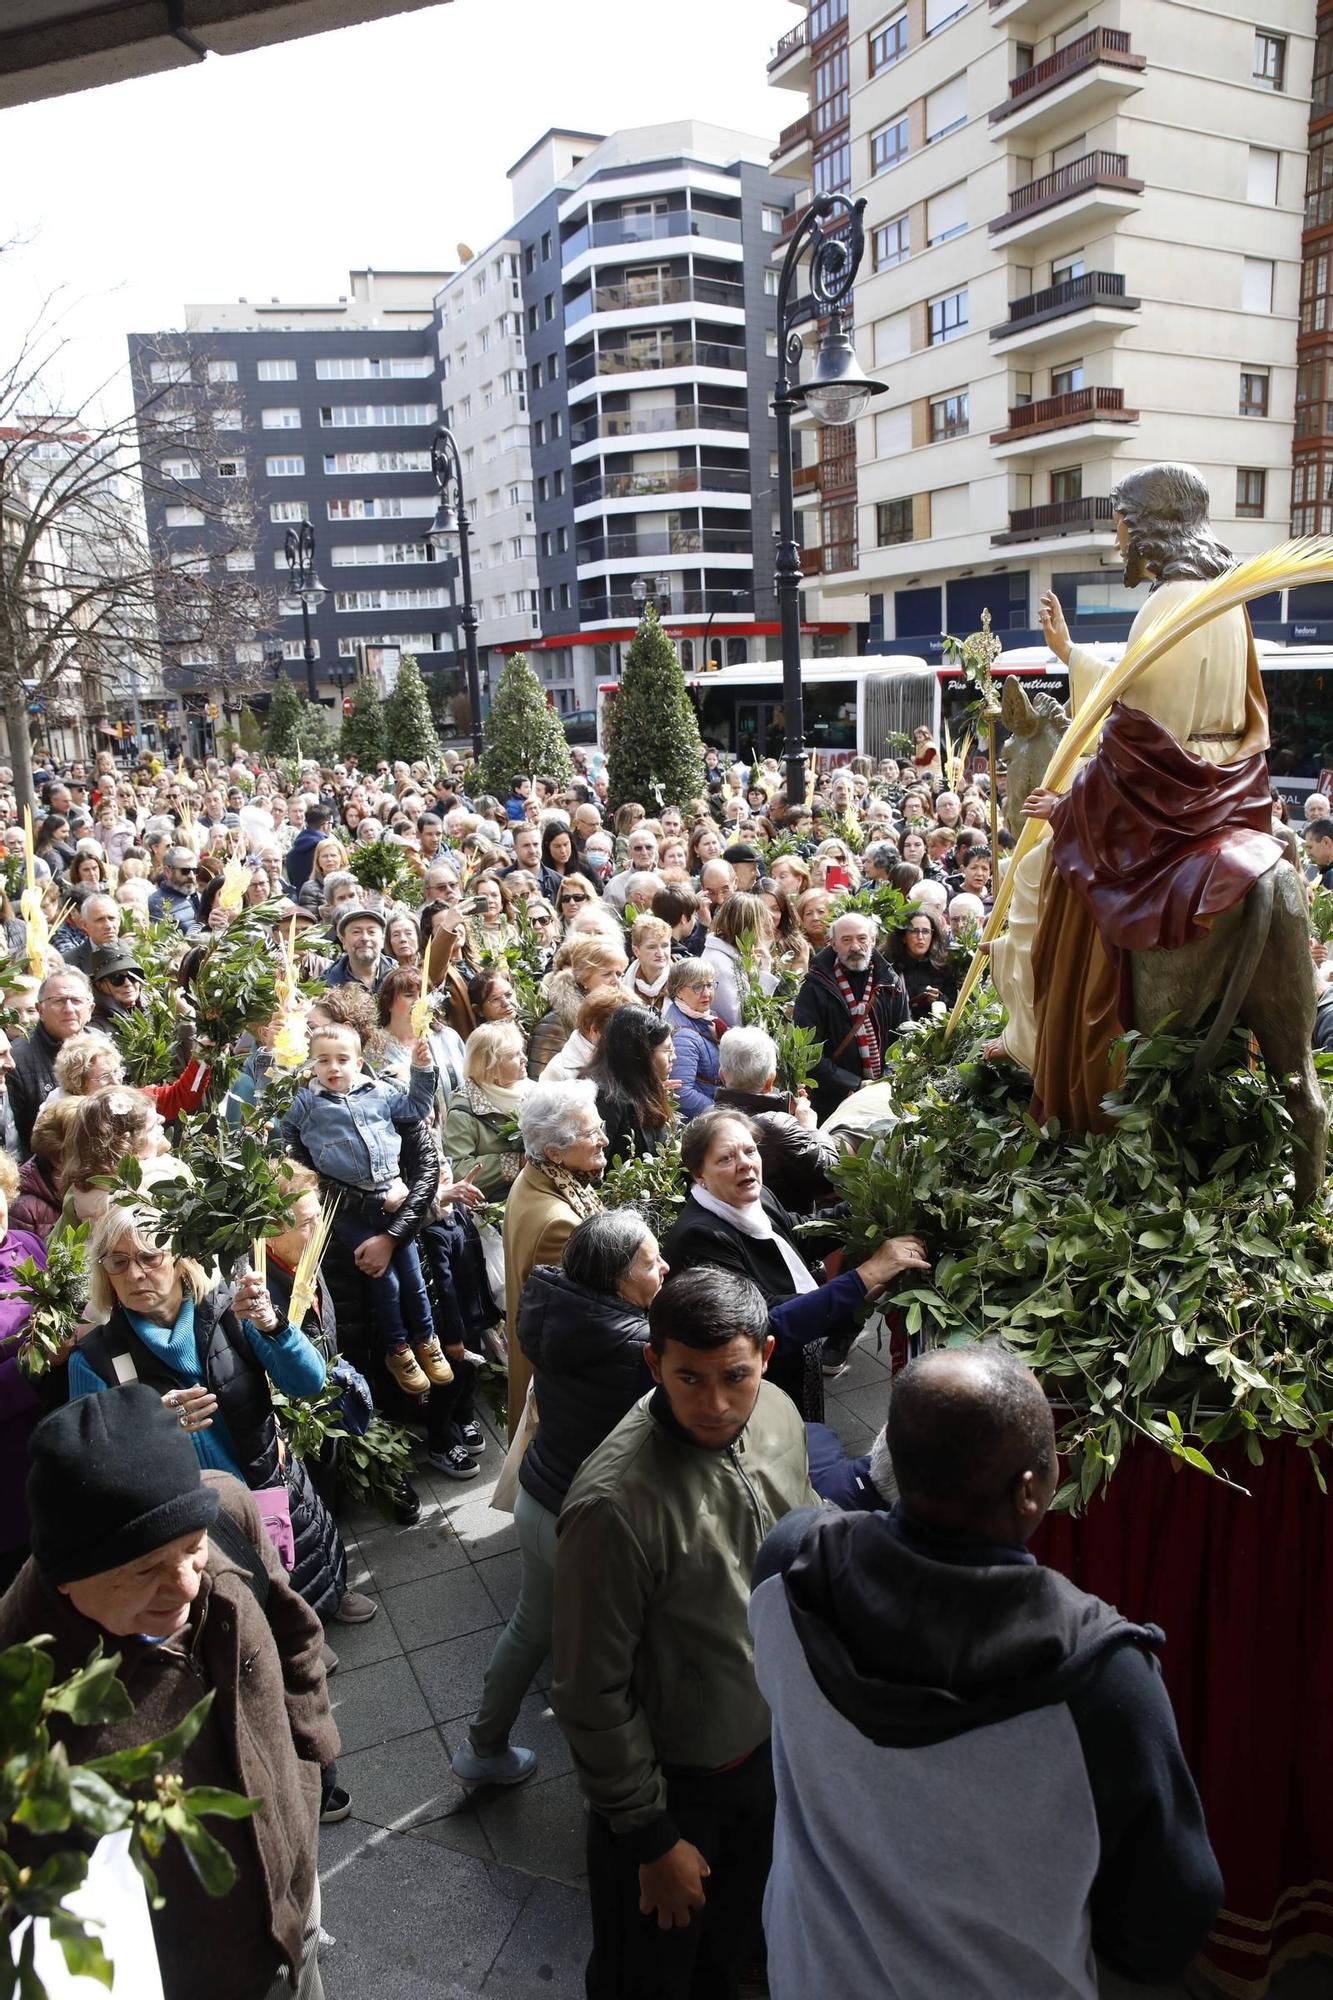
<point x="584" y="1328"/>
<point x="918" y="951"/>
<point x="630" y="1070"/>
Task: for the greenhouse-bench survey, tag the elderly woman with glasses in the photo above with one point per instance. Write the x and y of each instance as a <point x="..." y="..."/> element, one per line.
<point x="691" y="983"/>
<point x="211" y="1354"/>
<point x="564" y="1157"/>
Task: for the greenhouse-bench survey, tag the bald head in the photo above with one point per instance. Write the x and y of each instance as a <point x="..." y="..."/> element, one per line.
<point x="973" y="1443"/>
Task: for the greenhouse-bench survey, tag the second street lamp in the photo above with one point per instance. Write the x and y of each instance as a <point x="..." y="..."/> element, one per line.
<point x="836" y="393"/>
<point x="452" y="524"/>
<point x="299" y="548"/>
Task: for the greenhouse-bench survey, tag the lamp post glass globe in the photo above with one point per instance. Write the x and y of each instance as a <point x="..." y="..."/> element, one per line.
<point x="837" y="392"/>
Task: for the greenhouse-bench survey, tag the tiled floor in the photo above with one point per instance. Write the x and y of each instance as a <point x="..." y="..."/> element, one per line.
<point x="430" y="1894"/>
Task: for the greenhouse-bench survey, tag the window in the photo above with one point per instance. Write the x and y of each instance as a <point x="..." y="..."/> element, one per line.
<point x="771" y="219"/>
<point x="222" y="371"/>
<point x="829" y="95"/>
<point x="534" y="319"/>
<point x="825" y="15"/>
<point x="946" y="214"/>
<point x="888" y="146"/>
<point x="888" y="43"/>
<point x="185" y="517"/>
<point x="566" y="598"/>
<point x="280" y="420"/>
<point x="167" y="374"/>
<point x="947" y="317"/>
<point x="1065" y="380"/>
<point x="893" y="522"/>
<point x="338" y="462"/>
<point x="831" y="172"/>
<point x="553" y="369"/>
<point x="543" y="488"/>
<point x="1256" y="292"/>
<point x="239" y="559"/>
<point x="546" y="543"/>
<point x="948" y="416"/>
<point x="546" y="246"/>
<point x="893" y="431"/>
<point x="350" y="416"/>
<point x="1251" y="482"/>
<point x="362" y="367"/>
<point x="539" y="431"/>
<point x="946" y="108"/>
<point x="191" y="562"/>
<point x="770" y="283"/>
<point x="939" y="13"/>
<point x="548" y="306"/>
<point x="294" y="649"/>
<point x="249" y="655"/>
<point x="1270" y="60"/>
<point x="292" y="467"/>
<point x="179" y="468"/>
<point x="286" y="510"/>
<point x="562" y="541"/>
<point x="536" y="376"/>
<point x="1261" y="180"/>
<point x="1067" y="268"/>
<point x="530" y="259"/>
<point x="229" y="419"/>
<point x="548" y="597"/>
<point x="389" y="507"/>
<point x="1067" y="483"/>
<point x="1254" y="392"/>
<point x="890" y="243"/>
<point x="363" y="555"/>
<point x="557" y="424"/>
<point x="559" y="484"/>
<point x="231" y="468"/>
<point x="275" y="371"/>
<point x="389" y="600"/>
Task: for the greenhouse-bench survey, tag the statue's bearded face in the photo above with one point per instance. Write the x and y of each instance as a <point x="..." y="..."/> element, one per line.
<point x="1136" y="571"/>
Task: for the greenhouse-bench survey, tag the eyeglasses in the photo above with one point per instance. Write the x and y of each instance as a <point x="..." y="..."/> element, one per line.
<point x="118" y="1263"/>
<point x="577" y="897"/>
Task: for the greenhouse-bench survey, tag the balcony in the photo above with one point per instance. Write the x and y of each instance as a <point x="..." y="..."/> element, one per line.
<point x="651" y="547"/>
<point x="1064" y="420"/>
<point x="1088" y="521"/>
<point x="1092" y="72"/>
<point x="1095" y="189"/>
<point x="789" y="63"/>
<point x="643" y="296"/>
<point x="1061" y="312"/>
<point x="791" y="155"/>
<point x="616" y="607"/>
<point x="805" y="479"/>
<point x="1314" y="420"/>
<point x="649" y="358"/>
<point x="648" y="485"/>
<point x="651" y="423"/>
<point x="1022" y="13"/>
<point x="679" y="223"/>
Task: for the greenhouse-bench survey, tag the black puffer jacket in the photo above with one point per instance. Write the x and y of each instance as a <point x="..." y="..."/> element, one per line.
<point x="587" y="1361"/>
<point x="796" y="1157"/>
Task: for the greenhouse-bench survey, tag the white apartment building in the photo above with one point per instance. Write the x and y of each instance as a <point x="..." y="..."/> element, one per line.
<point x="1083" y="254"/>
<point x="483" y="390"/>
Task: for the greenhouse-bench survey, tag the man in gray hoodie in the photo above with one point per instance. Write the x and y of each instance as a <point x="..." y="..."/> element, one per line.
<point x="980" y="1788"/>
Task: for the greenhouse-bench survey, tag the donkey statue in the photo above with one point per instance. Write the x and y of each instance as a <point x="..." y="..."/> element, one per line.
<point x="1252" y="966"/>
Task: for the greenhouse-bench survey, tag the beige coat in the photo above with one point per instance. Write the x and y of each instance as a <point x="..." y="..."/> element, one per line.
<point x="538" y="1224"/>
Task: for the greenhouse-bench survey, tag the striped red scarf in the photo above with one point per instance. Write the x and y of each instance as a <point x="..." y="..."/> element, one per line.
<point x="862" y="1014"/>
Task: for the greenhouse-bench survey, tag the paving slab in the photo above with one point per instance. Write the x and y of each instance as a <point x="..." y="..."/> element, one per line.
<point x="374" y="1705"/>
<point x="442" y="1606"/>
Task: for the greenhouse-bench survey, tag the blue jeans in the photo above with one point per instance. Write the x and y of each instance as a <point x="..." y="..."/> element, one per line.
<point x="401" y="1304"/>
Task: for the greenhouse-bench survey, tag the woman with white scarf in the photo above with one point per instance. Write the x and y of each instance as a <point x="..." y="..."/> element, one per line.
<point x="729" y="1219"/>
<point x="481" y="1130"/>
<point x="645" y="978"/>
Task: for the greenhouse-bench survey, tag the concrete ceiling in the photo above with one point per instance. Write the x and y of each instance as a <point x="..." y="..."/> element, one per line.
<point x="51" y="47"/>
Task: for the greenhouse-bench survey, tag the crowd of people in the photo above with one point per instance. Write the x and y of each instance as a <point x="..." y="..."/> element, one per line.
<point x="553" y="982"/>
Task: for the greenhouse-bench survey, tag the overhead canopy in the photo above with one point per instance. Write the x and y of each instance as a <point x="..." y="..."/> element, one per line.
<point x="50" y="47"/>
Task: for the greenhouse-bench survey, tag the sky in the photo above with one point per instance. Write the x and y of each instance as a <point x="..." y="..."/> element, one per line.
<point x="274" y="173"/>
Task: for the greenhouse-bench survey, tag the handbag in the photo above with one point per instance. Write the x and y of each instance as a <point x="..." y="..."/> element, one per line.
<point x="275" y="1511"/>
<point x="506" y="1486"/>
<point x="493" y="1250"/>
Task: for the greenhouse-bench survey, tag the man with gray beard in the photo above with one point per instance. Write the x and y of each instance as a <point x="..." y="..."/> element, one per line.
<point x="855" y="1002"/>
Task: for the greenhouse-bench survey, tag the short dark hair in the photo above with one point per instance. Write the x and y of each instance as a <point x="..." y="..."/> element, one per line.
<point x="674" y="902"/>
<point x="700" y="1133"/>
<point x="1319" y="829"/>
<point x="707" y="1307"/>
<point x="317" y="816"/>
<point x="958" y="1443"/>
<point x="602" y="1248"/>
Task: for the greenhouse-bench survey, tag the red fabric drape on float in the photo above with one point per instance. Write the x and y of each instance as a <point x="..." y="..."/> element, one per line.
<point x="1150" y="845"/>
<point x="1243" y="1589"/>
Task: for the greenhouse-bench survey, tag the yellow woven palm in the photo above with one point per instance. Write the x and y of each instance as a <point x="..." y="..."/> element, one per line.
<point x="1287" y="567"/>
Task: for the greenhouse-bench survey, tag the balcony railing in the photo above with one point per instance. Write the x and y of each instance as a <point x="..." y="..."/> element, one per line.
<point x="1061" y="517"/>
<point x="672" y="542"/>
<point x="679" y="604"/>
<point x="683" y="290"/>
<point x="650" y="229"/>
<point x="1099" y="45"/>
<point x="812" y="562"/>
<point x="647" y="423"/>
<point x="1075" y="406"/>
<point x="638" y="485"/>
<point x="1091" y="288"/>
<point x="1097" y="169"/>
<point x="805" y="479"/>
<point x="795" y="38"/>
<point x="791" y="136"/>
<point x="664" y="354"/>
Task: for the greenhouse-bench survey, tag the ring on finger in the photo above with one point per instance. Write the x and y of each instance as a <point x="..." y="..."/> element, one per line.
<point x="184" y="1420"/>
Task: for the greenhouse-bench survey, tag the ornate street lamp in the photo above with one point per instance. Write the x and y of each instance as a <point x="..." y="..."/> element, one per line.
<point x="452" y="526"/>
<point x="836" y="393"/>
<point x="299" y="548"/>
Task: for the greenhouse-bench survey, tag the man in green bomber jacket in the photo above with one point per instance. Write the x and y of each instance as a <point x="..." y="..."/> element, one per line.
<point x="654" y="1666"/>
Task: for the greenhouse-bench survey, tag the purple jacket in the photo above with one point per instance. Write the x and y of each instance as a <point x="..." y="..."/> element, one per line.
<point x="21" y="1407"/>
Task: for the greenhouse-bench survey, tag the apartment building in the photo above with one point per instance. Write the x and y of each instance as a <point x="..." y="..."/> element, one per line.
<point x="321" y="412"/>
<point x="605" y="367"/>
<point x="1084" y="253"/>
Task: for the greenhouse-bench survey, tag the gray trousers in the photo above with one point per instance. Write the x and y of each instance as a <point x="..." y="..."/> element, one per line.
<point x="526" y="1639"/>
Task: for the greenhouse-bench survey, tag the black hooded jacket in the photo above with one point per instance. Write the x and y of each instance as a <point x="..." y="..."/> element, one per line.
<point x="586" y="1351"/>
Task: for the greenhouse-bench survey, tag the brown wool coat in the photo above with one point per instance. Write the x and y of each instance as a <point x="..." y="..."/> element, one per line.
<point x="267" y="1734"/>
<point x="538" y="1224"/>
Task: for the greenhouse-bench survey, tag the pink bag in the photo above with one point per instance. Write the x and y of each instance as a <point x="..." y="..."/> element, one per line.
<point x="276" y="1513"/>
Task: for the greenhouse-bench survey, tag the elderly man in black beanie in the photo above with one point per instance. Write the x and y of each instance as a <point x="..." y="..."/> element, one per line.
<point x="172" y="1570"/>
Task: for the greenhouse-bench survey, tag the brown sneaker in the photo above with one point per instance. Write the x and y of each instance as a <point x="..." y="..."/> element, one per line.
<point x="403" y="1365"/>
<point x="434" y="1361"/>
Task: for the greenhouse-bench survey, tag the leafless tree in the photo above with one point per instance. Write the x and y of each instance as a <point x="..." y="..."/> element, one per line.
<point x="90" y="600"/>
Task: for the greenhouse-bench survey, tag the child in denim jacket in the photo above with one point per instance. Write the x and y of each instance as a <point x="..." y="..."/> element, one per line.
<point x="347" y="1124"/>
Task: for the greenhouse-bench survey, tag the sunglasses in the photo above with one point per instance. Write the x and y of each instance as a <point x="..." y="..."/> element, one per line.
<point x="577" y="898"/>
